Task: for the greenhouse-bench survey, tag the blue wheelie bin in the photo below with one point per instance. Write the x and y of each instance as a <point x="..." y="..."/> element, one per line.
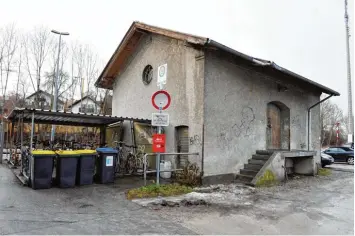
<point x="106" y="164"/>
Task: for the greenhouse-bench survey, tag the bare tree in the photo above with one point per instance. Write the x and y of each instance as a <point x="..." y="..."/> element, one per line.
<point x="330" y="115"/>
<point x="9" y="49"/>
<point x="37" y="46"/>
<point x="73" y="82"/>
<point x="78" y="52"/>
<point x="63" y="74"/>
<point x="91" y="70"/>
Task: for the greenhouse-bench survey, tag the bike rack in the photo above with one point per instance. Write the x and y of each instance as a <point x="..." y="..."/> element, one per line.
<point x="145" y="171"/>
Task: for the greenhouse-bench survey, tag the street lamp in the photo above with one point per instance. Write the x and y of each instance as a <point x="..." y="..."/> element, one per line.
<point x="56" y="80"/>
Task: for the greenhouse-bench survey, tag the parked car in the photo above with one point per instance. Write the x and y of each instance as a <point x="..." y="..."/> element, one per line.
<point x="341" y="154"/>
<point x="350" y="145"/>
<point x="326" y="159"/>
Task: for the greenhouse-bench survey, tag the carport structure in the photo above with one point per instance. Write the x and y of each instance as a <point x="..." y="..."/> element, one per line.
<point x="19" y="116"/>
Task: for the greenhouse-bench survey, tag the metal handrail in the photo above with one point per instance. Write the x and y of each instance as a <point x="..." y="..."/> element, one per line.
<point x="158" y="164"/>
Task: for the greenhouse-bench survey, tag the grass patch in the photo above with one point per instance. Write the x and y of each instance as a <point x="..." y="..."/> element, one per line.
<point x="153" y="190"/>
<point x="267" y="180"/>
<point x="324" y="172"/>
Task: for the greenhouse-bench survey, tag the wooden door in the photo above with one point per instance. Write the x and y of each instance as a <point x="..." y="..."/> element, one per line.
<point x="182" y="145"/>
<point x="274" y="127"/>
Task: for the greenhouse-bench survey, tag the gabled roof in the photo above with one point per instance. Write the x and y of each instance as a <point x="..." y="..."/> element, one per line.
<point x="137" y="30"/>
<point x="44" y="92"/>
<point x="79" y="100"/>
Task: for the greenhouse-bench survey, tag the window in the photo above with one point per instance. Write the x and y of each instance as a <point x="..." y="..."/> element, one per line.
<point x="147" y="75"/>
<point x="332" y="150"/>
<point x="346" y="148"/>
<point x="340" y="150"/>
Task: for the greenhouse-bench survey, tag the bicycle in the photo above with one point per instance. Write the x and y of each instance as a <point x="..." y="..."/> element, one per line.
<point x="140" y="159"/>
<point x="124" y="164"/>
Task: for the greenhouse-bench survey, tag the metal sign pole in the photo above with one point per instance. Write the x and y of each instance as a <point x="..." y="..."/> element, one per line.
<point x="158" y="154"/>
<point x="162" y="72"/>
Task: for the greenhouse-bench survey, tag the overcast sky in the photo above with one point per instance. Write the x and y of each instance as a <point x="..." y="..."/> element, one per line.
<point x="305" y="36"/>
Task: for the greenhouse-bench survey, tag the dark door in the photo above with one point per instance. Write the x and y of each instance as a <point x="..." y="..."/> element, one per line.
<point x="182" y="144"/>
<point x="273" y="127"/>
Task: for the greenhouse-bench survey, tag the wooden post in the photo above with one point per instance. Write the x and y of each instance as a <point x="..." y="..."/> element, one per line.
<point x="102" y="136"/>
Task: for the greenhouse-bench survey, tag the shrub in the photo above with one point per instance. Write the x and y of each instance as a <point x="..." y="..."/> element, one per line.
<point x="190" y="175"/>
<point x="154" y="190"/>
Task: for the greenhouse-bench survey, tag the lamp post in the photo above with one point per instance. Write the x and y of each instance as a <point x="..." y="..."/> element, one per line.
<point x="56" y="80"/>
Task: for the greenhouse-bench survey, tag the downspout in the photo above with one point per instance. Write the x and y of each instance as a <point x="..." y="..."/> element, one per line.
<point x="309" y="117"/>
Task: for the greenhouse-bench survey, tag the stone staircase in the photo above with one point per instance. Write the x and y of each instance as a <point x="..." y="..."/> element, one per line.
<point x="250" y="170"/>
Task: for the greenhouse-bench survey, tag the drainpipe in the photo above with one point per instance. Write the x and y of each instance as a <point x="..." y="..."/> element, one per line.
<point x="309" y="117"/>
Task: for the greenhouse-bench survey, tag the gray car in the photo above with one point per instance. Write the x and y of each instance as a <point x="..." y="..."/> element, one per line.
<point x="326" y="159"/>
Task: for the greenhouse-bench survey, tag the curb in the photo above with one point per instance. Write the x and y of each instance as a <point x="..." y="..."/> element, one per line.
<point x="16" y="172"/>
<point x="343" y="170"/>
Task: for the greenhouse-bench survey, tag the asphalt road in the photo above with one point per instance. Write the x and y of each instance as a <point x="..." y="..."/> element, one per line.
<point x="320" y="205"/>
<point x="308" y="205"/>
<point x="96" y="209"/>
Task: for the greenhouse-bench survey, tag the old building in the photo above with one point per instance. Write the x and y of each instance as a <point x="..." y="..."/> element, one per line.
<point x="225" y="104"/>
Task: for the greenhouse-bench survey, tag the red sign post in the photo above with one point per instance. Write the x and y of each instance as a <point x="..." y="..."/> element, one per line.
<point x="159" y="143"/>
<point x="161" y="101"/>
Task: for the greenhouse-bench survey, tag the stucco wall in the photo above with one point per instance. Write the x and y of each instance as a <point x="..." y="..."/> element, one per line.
<point x="235" y="115"/>
<point x="132" y="98"/>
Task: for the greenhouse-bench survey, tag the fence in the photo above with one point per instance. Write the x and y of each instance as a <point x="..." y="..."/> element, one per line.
<point x="145" y="171"/>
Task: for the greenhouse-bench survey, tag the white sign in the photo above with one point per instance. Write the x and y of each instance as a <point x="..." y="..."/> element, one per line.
<point x="160" y="119"/>
<point x="350" y="138"/>
<point x="109" y="161"/>
<point x="162" y="75"/>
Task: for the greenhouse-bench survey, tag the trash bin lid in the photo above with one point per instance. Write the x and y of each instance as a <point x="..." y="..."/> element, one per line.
<point x="42" y="152"/>
<point x="67" y="153"/>
<point x="86" y="151"/>
<point x="106" y="150"/>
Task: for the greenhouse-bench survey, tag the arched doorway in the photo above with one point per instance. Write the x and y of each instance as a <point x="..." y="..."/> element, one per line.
<point x="278" y="126"/>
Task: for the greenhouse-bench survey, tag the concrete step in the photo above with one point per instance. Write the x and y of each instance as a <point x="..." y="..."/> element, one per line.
<point x="256" y="162"/>
<point x="246" y="179"/>
<point x="248" y="172"/>
<point x="265" y="152"/>
<point x="253" y="166"/>
<point x="260" y="157"/>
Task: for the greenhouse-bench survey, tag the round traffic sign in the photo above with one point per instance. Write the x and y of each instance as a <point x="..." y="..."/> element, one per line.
<point x="161" y="99"/>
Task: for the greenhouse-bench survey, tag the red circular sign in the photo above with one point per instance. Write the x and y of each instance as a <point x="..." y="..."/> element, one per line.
<point x="161" y="99"/>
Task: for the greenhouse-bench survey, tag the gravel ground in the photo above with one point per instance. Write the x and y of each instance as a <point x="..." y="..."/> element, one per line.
<point x="303" y="205"/>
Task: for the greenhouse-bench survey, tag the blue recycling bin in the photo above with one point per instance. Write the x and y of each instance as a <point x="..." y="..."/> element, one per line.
<point x="106" y="164"/>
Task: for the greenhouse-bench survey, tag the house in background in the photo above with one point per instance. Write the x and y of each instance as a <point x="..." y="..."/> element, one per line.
<point x="85" y="105"/>
<point x="45" y="101"/>
<point x="235" y="110"/>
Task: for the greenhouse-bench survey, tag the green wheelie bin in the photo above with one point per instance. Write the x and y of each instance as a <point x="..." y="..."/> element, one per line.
<point x="41" y="169"/>
<point x="86" y="167"/>
<point x="67" y="162"/>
